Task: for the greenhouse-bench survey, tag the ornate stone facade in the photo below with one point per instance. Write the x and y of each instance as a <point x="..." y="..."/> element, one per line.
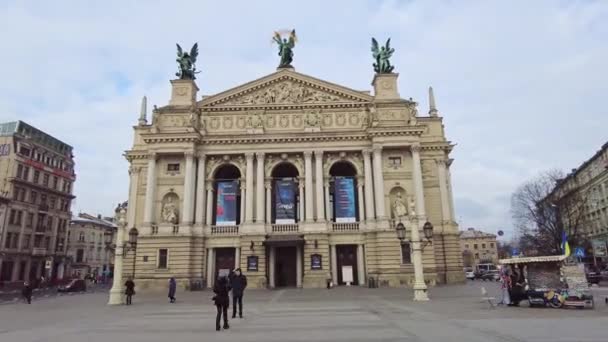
<point x="290" y="126"/>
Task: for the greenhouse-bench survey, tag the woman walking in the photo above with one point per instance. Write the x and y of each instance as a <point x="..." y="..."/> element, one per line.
<point x="222" y="301"/>
<point x="505" y="285"/>
<point x="172" y="288"/>
<point x="27" y="292"/>
<point x="129" y="290"/>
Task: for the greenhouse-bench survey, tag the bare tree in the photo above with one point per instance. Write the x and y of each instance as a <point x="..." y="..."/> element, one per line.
<point x="543" y="212"/>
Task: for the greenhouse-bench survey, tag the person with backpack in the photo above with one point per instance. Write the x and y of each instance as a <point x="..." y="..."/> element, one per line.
<point x="222" y="301"/>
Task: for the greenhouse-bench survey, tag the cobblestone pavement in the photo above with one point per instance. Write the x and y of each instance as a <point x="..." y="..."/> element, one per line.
<point x="455" y="313"/>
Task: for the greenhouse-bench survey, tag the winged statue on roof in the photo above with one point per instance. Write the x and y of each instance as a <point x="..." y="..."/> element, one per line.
<point x="187" y="63"/>
<point x="286" y="40"/>
<point x="381" y="55"/>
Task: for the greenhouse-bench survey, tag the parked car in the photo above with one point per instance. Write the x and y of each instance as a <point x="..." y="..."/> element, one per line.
<point x="468" y="273"/>
<point x="490" y="275"/>
<point x="76" y="285"/>
<point x="593" y="274"/>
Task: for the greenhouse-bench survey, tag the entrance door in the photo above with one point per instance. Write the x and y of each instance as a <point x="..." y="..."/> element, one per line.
<point x="224" y="260"/>
<point x="285" y="266"/>
<point x="347" y="256"/>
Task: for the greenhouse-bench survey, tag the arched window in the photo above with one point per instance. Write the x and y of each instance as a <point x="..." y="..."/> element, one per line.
<point x="227" y="196"/>
<point x="343" y="197"/>
<point x="81" y="237"/>
<point x="285" y="195"/>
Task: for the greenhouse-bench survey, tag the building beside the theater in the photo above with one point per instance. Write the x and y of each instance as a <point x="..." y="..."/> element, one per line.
<point x="587" y="186"/>
<point x="295" y="180"/>
<point x="36" y="181"/>
<point x="88" y="240"/>
<point x="478" y="247"/>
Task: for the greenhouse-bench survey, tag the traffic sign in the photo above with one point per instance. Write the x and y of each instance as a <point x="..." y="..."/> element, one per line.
<point x="515" y="252"/>
<point x="599" y="248"/>
<point x="48" y="264"/>
<point x="579" y="252"/>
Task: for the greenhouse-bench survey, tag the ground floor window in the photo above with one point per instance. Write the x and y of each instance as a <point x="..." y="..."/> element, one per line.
<point x="406" y="253"/>
<point x="162" y="258"/>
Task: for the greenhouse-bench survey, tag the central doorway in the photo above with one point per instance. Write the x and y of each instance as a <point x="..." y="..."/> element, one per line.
<point x="224" y="260"/>
<point x="286" y="266"/>
<point x="347" y="256"/>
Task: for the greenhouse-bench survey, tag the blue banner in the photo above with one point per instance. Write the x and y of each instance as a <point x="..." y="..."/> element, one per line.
<point x="226" y="203"/>
<point x="285" y="201"/>
<point x="344" y="196"/>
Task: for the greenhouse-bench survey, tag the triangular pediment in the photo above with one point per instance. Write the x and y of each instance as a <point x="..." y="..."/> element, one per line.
<point x="285" y="87"/>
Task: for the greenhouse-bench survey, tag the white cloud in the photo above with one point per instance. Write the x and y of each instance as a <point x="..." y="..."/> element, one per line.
<point x="520" y="83"/>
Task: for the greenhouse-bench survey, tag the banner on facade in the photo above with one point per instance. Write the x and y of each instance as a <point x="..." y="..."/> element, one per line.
<point x="252" y="263"/>
<point x="285" y="201"/>
<point x="316" y="262"/>
<point x="344" y="195"/>
<point x="226" y="203"/>
<point x="599" y="248"/>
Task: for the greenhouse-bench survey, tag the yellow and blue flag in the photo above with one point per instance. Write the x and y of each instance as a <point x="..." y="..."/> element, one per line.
<point x="565" y="244"/>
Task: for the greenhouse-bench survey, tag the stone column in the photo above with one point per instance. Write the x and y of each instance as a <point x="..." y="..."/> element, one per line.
<point x="334" y="264"/>
<point x="271" y="262"/>
<point x="321" y="215"/>
<point x="443" y="189"/>
<point x="301" y="203"/>
<point x="150" y="190"/>
<point x="308" y="185"/>
<point x="259" y="188"/>
<point x="188" y="200"/>
<point x="369" y="191"/>
<point x="249" y="185"/>
<point x="327" y="202"/>
<point x="379" y="183"/>
<point x="360" y="265"/>
<point x="133" y="185"/>
<point x="200" y="190"/>
<point x="268" y="187"/>
<point x="209" y="212"/>
<point x="449" y="176"/>
<point x="243" y="204"/>
<point x="299" y="266"/>
<point x="360" y="199"/>
<point x="117" y="291"/>
<point x="237" y="257"/>
<point x="419" y="284"/>
<point x="418" y="185"/>
<point x="210" y="266"/>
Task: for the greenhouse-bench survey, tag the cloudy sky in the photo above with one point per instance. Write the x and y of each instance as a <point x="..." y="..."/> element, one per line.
<point x="520" y="84"/>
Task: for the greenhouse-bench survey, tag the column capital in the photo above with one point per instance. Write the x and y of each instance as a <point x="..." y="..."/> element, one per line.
<point x="267" y="184"/>
<point x="134" y="169"/>
<point x="366" y="152"/>
<point x="318" y="153"/>
<point x="260" y="155"/>
<point x="189" y="154"/>
<point x="360" y="180"/>
<point x="201" y="155"/>
<point x="209" y="185"/>
<point x="415" y="147"/>
<point x="441" y="161"/>
<point x="249" y="156"/>
<point x="307" y="154"/>
<point x="152" y="155"/>
<point x="377" y="148"/>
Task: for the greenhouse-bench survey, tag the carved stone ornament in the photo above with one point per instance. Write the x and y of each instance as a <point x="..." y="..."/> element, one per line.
<point x="170" y="211"/>
<point x="255" y="120"/>
<point x="412" y="206"/>
<point x="312" y="119"/>
<point x="286" y="92"/>
<point x="399" y="206"/>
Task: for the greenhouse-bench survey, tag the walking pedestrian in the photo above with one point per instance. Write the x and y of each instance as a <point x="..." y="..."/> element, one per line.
<point x="238" y="283"/>
<point x="129" y="290"/>
<point x="222" y="301"/>
<point x="27" y="292"/>
<point x="172" y="288"/>
<point x="505" y="285"/>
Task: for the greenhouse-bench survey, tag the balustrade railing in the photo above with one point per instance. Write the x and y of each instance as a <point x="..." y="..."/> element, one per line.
<point x="224" y="230"/>
<point x="344" y="227"/>
<point x="285" y="228"/>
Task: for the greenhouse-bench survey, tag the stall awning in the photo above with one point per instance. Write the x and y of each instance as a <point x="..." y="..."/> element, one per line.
<point x="284" y="240"/>
<point x="527" y="260"/>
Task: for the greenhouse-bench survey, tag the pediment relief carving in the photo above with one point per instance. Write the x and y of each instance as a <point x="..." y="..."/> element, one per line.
<point x="286" y="92"/>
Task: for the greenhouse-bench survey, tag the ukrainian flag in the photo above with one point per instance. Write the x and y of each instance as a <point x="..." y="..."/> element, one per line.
<point x="565" y="244"/>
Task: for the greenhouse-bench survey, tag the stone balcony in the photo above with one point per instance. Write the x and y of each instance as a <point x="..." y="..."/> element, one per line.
<point x="39" y="251"/>
<point x="284" y="228"/>
<point x="344" y="227"/>
<point x="224" y="230"/>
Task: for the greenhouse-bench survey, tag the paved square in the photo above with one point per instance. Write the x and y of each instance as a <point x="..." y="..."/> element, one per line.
<point x="455" y="313"/>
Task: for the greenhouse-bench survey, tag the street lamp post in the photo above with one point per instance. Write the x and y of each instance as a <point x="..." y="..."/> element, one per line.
<point x="420" y="289"/>
<point x="116" y="292"/>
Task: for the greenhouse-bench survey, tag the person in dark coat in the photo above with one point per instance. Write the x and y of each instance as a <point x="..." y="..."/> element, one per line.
<point x="238" y="283"/>
<point x="172" y="288"/>
<point x="518" y="284"/>
<point x="222" y="301"/>
<point x="27" y="292"/>
<point x="129" y="290"/>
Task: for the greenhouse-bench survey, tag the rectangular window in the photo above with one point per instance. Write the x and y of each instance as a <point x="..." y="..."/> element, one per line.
<point x="29" y="221"/>
<point x="34" y="197"/>
<point x="24" y="151"/>
<point x="55" y="181"/>
<point x="483" y="246"/>
<point x="7" y="242"/>
<point x="26" y="241"/>
<point x="16" y="193"/>
<point x="15" y="240"/>
<point x="79" y="255"/>
<point x="36" y="176"/>
<point x="43" y="199"/>
<point x="22" y="195"/>
<point x="162" y="258"/>
<point x="52" y="202"/>
<point x="47" y="242"/>
<point x="19" y="217"/>
<point x="26" y="172"/>
<point x="45" y="179"/>
<point x="37" y="241"/>
<point x="476" y="255"/>
<point x="394" y="161"/>
<point x="406" y="253"/>
<point x="491" y="244"/>
<point x="19" y="171"/>
<point x="173" y="167"/>
<point x="12" y="216"/>
<point x="475" y="246"/>
<point x="466" y="246"/>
